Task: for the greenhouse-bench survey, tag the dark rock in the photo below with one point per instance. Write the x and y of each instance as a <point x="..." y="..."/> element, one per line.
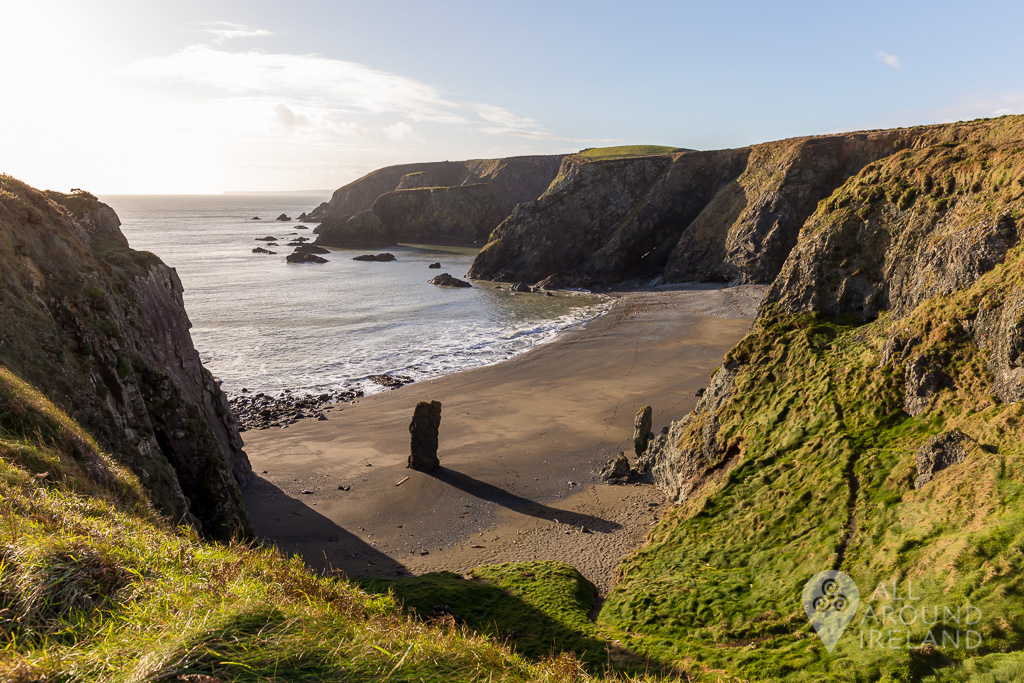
<point x="426" y="421"/>
<point x="390" y="381"/>
<point x="310" y="249"/>
<point x="301" y="239"/>
<point x="940" y="452"/>
<point x="520" y="287"/>
<point x="617" y="471"/>
<point x="302" y="217"/>
<point x="375" y="257"/>
<point x="642" y="430"/>
<point x="261" y="250"/>
<point x="553" y="281"/>
<point x="268" y="238"/>
<point x="302" y="257"/>
<point x="699" y="392"/>
<point x="924" y="379"/>
<point x="255" y="218"/>
<point x="302" y="227"/>
<point x="283" y="217"/>
<point x="436" y="264"/>
<point x="447" y="280"/>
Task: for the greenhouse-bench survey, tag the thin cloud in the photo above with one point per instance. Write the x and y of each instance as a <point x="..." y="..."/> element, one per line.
<point x="402" y="132"/>
<point x="889" y="60"/>
<point x="222" y="31"/>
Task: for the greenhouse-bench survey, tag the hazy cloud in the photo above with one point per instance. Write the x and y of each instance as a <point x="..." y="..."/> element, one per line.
<point x="402" y="132"/>
<point x="889" y="60"/>
<point x="221" y="31"/>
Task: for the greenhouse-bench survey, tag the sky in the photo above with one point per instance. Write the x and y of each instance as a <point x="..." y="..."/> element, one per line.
<point x="219" y="95"/>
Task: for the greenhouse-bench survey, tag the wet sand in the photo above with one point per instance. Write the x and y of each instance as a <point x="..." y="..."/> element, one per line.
<point x="521" y="444"/>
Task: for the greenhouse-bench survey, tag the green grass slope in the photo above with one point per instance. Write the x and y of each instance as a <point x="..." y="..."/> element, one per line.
<point x="623" y="151"/>
<point x="825" y="462"/>
<point x="94" y="586"/>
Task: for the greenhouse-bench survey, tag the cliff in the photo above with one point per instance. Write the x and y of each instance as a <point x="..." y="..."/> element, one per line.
<point x="444" y="202"/>
<point x="726" y="216"/>
<point x="870" y="423"/>
<point x="102" y="331"/>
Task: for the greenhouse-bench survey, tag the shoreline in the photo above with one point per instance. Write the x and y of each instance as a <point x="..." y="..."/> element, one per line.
<point x="521" y="443"/>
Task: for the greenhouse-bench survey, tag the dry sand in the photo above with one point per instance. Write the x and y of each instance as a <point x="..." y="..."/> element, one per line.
<point x="521" y="443"/>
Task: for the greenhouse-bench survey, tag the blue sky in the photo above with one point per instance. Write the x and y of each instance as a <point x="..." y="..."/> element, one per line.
<point x="214" y="96"/>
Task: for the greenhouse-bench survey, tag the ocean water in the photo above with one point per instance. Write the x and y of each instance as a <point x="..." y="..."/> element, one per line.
<point x="266" y="325"/>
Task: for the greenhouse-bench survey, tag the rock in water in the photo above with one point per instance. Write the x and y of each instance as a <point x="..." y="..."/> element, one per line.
<point x="520" y="287"/>
<point x="283" y="217"/>
<point x="303" y="257"/>
<point x="436" y="264"/>
<point x="425" y="422"/>
<point x="939" y="452"/>
<point x="446" y="280"/>
<point x="642" y="430"/>
<point x="386" y="256"/>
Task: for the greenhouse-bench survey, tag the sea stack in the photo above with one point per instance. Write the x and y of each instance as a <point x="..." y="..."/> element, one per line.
<point x="424" y="426"/>
<point x="642" y="430"/>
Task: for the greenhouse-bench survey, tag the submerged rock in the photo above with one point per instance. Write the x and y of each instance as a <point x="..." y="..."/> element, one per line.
<point x="303" y="257"/>
<point x="426" y="421"/>
<point x="375" y="257"/>
<point x="446" y="280"/>
<point x="261" y="250"/>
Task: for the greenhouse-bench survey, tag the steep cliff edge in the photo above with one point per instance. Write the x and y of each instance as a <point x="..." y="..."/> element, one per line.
<point x="102" y="330"/>
<point x="872" y="422"/>
<point x="727" y="216"/>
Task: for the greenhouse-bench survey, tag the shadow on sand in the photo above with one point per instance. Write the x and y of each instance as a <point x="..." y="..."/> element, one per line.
<point x="516" y="503"/>
<point x="297" y="528"/>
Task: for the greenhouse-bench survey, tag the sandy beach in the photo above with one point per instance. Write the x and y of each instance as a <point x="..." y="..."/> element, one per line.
<point x="521" y="443"/>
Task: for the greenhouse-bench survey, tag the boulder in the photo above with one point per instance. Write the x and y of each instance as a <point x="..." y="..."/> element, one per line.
<point x="446" y="280"/>
<point x="642" y="430"/>
<point x="283" y="217"/>
<point x="553" y="281"/>
<point x="940" y="452"/>
<point x="436" y="264"/>
<point x="261" y="250"/>
<point x="302" y="257"/>
<point x="302" y="227"/>
<point x="255" y="218"/>
<point x="520" y="287"/>
<point x="617" y="471"/>
<point x="375" y="257"/>
<point x="426" y="420"/>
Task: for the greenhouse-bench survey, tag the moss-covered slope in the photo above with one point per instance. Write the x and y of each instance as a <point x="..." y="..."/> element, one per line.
<point x="102" y="331"/>
<point x="898" y="318"/>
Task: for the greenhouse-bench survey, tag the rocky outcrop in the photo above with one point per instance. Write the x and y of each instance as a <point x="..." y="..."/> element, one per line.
<point x="680" y="457"/>
<point x="940" y="452"/>
<point x="446" y="280"/>
<point x="426" y="421"/>
<point x="356" y="231"/>
<point x="642" y="430"/>
<point x="439" y="215"/>
<point x="102" y="330"/>
<point x="304" y="257"/>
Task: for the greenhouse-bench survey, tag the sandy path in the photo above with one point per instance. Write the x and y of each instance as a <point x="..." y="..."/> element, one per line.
<point x="521" y="443"/>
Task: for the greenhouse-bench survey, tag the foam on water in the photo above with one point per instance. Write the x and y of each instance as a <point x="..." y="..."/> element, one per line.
<point x="266" y="325"/>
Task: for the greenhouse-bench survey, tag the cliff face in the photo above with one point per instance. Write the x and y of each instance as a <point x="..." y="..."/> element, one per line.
<point x="465" y="213"/>
<point x="103" y="331"/>
<point x="730" y="215"/>
<point x="512" y="180"/>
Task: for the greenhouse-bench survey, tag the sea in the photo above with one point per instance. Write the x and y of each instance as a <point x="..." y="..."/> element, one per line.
<point x="264" y="325"/>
